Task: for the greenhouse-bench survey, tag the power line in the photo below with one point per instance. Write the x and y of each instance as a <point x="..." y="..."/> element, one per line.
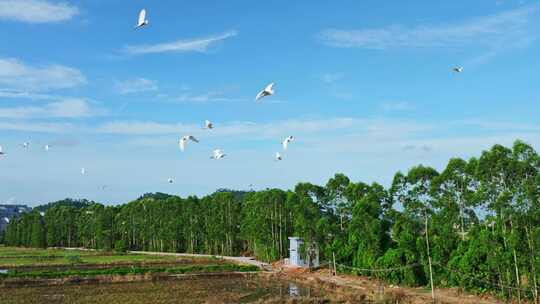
<point x="382" y="269"/>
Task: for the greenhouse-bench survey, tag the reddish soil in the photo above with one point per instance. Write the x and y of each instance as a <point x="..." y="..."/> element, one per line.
<point x="375" y="290"/>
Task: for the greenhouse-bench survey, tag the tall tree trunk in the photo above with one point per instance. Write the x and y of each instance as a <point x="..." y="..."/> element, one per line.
<point x="429" y="261"/>
<point x="533" y="268"/>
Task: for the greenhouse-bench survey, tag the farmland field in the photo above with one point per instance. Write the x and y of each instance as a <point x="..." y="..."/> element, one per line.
<point x="204" y="290"/>
<point x="104" y="277"/>
<point x="18" y="257"/>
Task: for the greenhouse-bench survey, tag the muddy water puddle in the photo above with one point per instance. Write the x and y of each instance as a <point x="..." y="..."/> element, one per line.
<point x="195" y="290"/>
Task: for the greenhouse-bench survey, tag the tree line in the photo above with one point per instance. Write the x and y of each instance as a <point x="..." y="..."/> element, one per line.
<point x="475" y="224"/>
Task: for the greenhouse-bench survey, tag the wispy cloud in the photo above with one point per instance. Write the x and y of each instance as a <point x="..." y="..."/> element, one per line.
<point x="14" y="94"/>
<point x="517" y="27"/>
<point x="194" y="45"/>
<point x="136" y="85"/>
<point x="20" y="76"/>
<point x="36" y="11"/>
<point x="70" y="108"/>
<point x="29" y="126"/>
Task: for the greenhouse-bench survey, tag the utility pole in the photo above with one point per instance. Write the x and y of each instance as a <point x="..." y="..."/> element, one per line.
<point x="429" y="261"/>
<point x="334" y="257"/>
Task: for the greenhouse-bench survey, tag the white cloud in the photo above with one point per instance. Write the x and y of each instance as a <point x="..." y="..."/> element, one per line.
<point x="195" y="45"/>
<point x="20" y="76"/>
<point x="13" y="94"/>
<point x="69" y="108"/>
<point x="513" y="27"/>
<point x="36" y="11"/>
<point x="136" y="85"/>
<point x="28" y="126"/>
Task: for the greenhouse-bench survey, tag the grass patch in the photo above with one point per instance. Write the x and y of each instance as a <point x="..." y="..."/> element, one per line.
<point x="130" y="270"/>
<point x="24" y="257"/>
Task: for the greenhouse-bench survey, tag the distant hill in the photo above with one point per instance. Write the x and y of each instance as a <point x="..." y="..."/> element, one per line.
<point x="68" y="202"/>
<point x="238" y="194"/>
<point x="156" y="196"/>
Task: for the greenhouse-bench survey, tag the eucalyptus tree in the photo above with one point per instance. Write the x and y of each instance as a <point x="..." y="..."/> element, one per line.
<point x="267" y="223"/>
<point x="369" y="230"/>
<point x="337" y="199"/>
<point x="416" y="194"/>
<point x="456" y="188"/>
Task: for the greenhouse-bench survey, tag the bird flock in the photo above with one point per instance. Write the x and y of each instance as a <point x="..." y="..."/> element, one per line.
<point x="217" y="154"/>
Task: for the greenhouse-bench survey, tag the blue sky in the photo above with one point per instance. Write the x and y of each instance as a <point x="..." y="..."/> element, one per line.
<point x="365" y="87"/>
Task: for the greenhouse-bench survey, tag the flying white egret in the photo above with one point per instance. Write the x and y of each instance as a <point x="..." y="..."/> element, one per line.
<point x="25" y="145"/>
<point x="268" y="91"/>
<point x="458" y="69"/>
<point x="83" y="171"/>
<point x="170" y="180"/>
<point x="184" y="140"/>
<point x="278" y="156"/>
<point x="142" y="19"/>
<point x="286" y="142"/>
<point x="1" y="151"/>
<point x="208" y="125"/>
<point x="47" y="147"/>
<point x="217" y="154"/>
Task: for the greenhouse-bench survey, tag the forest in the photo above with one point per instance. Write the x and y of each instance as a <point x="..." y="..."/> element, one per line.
<point x="476" y="224"/>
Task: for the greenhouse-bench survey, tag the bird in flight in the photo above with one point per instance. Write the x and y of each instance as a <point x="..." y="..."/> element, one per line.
<point x="47" y="147"/>
<point x="268" y="91"/>
<point x="142" y="19"/>
<point x="458" y="69"/>
<point x="217" y="154"/>
<point x="25" y="145"/>
<point x="286" y="142"/>
<point x="1" y="151"/>
<point x="208" y="125"/>
<point x="170" y="180"/>
<point x="83" y="171"/>
<point x="278" y="156"/>
<point x="185" y="139"/>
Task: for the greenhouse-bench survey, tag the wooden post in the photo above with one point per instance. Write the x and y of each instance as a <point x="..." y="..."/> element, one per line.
<point x="429" y="261"/>
<point x="334" y="257"/>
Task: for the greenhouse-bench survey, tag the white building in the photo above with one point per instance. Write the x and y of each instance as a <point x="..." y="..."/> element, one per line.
<point x="302" y="257"/>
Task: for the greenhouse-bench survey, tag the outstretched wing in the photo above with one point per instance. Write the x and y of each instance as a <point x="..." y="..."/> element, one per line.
<point x="260" y="95"/>
<point x="269" y="88"/>
<point x="142" y="17"/>
<point x="182" y="144"/>
<point x="193" y="138"/>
